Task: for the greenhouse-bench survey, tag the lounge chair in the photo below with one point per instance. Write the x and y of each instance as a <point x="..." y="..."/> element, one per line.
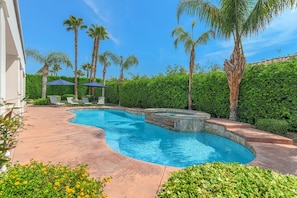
<point x="70" y="100"/>
<point x="86" y="101"/>
<point x="54" y="100"/>
<point x="101" y="100"/>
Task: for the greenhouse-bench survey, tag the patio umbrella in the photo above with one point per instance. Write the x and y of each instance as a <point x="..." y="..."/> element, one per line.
<point x="60" y="82"/>
<point x="94" y="84"/>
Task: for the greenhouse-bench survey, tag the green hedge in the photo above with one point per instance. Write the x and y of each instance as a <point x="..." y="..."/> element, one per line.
<point x="211" y="94"/>
<point x="266" y="91"/>
<point x="269" y="91"/>
<point x="34" y="86"/>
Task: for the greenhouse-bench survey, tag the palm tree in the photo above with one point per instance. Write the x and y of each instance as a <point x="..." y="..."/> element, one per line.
<point x="55" y="69"/>
<point x="97" y="33"/>
<point x="190" y="44"/>
<point x="75" y="24"/>
<point x="80" y="73"/>
<point x="48" y="60"/>
<point x="87" y="67"/>
<point x="235" y="19"/>
<point x="125" y="64"/>
<point x="104" y="60"/>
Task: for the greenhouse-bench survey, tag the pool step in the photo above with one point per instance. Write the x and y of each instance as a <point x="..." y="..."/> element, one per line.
<point x="249" y="133"/>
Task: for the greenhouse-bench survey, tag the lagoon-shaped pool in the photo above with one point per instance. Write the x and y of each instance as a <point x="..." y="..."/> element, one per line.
<point x="131" y="136"/>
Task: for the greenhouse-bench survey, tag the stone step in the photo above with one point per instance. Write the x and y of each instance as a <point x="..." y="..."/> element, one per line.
<point x="255" y="135"/>
<point x="229" y="124"/>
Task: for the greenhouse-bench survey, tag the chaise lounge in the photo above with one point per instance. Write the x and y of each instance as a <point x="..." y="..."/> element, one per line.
<point x="86" y="101"/>
<point x="70" y="100"/>
<point x="54" y="100"/>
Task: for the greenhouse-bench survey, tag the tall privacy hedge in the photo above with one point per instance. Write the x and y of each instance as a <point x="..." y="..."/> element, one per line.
<point x="34" y="86"/>
<point x="211" y="94"/>
<point x="269" y="91"/>
<point x="161" y="91"/>
<point x="266" y="91"/>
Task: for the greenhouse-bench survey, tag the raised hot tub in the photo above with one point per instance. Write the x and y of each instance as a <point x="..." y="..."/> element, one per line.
<point x="176" y="119"/>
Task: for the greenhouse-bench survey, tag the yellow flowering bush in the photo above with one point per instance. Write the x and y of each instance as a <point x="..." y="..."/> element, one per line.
<point x="48" y="180"/>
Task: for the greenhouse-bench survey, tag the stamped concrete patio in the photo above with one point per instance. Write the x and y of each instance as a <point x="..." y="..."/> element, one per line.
<point x="48" y="136"/>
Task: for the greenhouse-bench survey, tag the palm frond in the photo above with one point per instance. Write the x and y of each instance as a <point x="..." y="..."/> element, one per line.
<point x="262" y="14"/>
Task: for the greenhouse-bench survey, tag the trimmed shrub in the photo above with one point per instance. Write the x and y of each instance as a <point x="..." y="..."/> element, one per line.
<point x="279" y="127"/>
<point x="48" y="180"/>
<point x="228" y="180"/>
<point x="42" y="101"/>
<point x="65" y="96"/>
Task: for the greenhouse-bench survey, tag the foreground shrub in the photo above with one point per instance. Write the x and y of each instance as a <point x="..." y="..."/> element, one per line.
<point x="9" y="125"/>
<point x="279" y="127"/>
<point x="47" y="180"/>
<point x="228" y="180"/>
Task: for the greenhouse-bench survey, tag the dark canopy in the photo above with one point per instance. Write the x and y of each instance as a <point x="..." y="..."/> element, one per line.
<point x="94" y="84"/>
<point x="60" y="82"/>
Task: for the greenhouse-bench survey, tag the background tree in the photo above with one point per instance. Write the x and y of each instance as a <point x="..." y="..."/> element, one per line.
<point x="48" y="60"/>
<point x="55" y="69"/>
<point x="125" y="64"/>
<point x="97" y="33"/>
<point x="80" y="73"/>
<point x="190" y="44"/>
<point x="176" y="69"/>
<point x="104" y="60"/>
<point x="236" y="19"/>
<point x="86" y="67"/>
<point x="75" y="24"/>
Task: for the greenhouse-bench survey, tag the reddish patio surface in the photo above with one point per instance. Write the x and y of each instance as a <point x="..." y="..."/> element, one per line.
<point x="48" y="136"/>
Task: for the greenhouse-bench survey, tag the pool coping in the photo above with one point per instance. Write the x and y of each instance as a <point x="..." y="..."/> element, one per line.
<point x="48" y="136"/>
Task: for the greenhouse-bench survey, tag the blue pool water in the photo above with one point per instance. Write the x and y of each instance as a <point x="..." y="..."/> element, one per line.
<point x="130" y="135"/>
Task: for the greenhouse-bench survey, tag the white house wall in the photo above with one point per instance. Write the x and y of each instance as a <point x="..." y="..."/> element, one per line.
<point x="2" y="57"/>
<point x="12" y="59"/>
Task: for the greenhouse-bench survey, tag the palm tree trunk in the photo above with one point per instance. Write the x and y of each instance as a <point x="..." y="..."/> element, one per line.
<point x="122" y="74"/>
<point x="104" y="80"/>
<point x="75" y="65"/>
<point x="234" y="69"/>
<point x="192" y="59"/>
<point x="44" y="80"/>
<point x="95" y="62"/>
<point x="91" y="90"/>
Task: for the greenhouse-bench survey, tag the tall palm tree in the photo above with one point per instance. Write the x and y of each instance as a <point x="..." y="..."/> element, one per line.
<point x="75" y="24"/>
<point x="104" y="60"/>
<point x="235" y="19"/>
<point x="97" y="33"/>
<point x="87" y="67"/>
<point x="48" y="60"/>
<point x="125" y="64"/>
<point x="190" y="44"/>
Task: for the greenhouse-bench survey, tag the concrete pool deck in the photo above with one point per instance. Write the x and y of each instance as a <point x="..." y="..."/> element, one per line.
<point x="48" y="136"/>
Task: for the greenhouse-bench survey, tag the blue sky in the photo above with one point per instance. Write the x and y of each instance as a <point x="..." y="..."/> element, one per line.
<point x="141" y="28"/>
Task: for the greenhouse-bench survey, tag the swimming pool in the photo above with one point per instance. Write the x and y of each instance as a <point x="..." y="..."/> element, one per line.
<point x="131" y="136"/>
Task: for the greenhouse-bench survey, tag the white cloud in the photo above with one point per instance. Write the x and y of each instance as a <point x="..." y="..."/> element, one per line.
<point x="95" y="8"/>
<point x="92" y="4"/>
<point x="281" y="31"/>
<point x="115" y="40"/>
